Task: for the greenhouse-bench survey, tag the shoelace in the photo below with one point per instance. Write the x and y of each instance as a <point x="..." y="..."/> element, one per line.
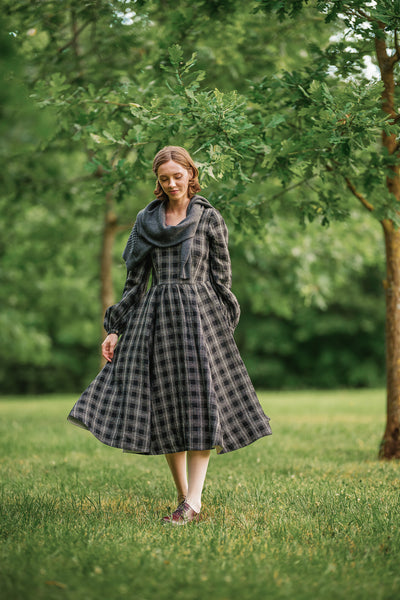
<point x="181" y="509"/>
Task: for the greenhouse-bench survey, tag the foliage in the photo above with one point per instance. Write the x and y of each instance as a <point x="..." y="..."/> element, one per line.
<point x="370" y="165"/>
<point x="116" y="81"/>
<point x="310" y="316"/>
<point x="306" y="512"/>
<point x="121" y="136"/>
<point x="331" y="114"/>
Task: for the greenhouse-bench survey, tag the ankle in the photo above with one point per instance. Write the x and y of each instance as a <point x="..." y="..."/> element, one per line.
<point x="194" y="503"/>
<point x="181" y="498"/>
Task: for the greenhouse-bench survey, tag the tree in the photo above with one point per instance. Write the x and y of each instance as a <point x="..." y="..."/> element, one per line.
<point x="120" y="79"/>
<point x="312" y="316"/>
<point x="97" y="68"/>
<point x="336" y="131"/>
<point x="112" y="110"/>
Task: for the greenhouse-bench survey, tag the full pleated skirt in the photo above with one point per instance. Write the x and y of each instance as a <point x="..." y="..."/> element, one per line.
<point x="177" y="381"/>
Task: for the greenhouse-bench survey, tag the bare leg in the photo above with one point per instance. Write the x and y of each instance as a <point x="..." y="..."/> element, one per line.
<point x="177" y="465"/>
<point x="197" y="471"/>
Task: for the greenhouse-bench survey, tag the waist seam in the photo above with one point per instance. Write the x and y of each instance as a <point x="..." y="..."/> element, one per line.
<point x="177" y="282"/>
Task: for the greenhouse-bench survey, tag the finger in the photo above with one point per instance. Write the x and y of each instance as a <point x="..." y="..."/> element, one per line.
<point x="106" y="355"/>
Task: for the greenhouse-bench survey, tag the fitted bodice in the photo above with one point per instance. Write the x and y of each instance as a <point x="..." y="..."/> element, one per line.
<point x="166" y="262"/>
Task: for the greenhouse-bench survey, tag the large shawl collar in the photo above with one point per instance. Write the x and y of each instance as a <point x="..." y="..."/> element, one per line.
<point x="150" y="230"/>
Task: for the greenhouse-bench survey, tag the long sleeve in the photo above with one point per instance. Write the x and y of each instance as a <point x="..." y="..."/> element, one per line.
<point x="220" y="267"/>
<point x="116" y="316"/>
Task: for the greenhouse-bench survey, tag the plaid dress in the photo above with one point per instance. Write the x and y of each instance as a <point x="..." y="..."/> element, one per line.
<point x="176" y="381"/>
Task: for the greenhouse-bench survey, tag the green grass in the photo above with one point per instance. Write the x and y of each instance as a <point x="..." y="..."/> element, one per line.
<point x="306" y="513"/>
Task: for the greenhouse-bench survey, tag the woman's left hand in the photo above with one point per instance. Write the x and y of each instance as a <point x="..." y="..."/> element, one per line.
<point x="108" y="346"/>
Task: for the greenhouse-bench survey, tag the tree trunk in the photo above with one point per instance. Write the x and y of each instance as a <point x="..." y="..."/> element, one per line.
<point x="390" y="445"/>
<point x="106" y="288"/>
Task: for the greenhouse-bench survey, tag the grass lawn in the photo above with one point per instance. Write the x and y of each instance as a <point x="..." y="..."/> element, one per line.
<point x="307" y="513"/>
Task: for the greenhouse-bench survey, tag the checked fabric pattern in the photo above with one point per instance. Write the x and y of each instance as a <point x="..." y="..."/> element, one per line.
<point x="177" y="381"/>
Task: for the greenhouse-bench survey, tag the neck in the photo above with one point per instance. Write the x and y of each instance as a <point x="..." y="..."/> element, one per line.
<point x="177" y="206"/>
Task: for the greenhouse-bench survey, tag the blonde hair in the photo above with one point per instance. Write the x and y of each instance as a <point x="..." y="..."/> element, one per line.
<point x="183" y="158"/>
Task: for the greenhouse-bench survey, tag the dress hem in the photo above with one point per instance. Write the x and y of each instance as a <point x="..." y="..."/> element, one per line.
<point x="218" y="448"/>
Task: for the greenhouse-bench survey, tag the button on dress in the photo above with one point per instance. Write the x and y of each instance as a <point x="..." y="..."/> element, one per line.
<point x="177" y="381"/>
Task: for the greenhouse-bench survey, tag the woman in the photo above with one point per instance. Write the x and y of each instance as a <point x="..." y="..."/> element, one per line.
<point x="174" y="382"/>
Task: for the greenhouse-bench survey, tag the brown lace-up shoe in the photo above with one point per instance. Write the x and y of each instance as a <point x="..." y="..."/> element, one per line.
<point x="182" y="515"/>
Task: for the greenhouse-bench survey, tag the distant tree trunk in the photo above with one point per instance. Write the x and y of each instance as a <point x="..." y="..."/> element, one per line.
<point x="110" y="230"/>
<point x="106" y="287"/>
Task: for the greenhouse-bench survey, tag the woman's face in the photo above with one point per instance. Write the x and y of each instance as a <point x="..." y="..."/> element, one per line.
<point x="174" y="180"/>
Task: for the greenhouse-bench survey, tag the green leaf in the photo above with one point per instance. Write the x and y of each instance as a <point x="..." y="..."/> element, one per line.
<point x="275" y="121"/>
<point x="175" y="54"/>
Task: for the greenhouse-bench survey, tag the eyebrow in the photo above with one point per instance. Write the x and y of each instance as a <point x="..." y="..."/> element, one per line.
<point x="177" y="173"/>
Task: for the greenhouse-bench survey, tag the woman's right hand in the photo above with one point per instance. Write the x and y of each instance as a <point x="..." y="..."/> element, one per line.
<point x="108" y="346"/>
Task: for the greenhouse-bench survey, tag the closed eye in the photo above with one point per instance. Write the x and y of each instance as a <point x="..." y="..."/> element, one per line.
<point x="176" y="176"/>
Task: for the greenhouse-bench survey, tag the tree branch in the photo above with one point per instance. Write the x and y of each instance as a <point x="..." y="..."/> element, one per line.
<point x="92" y="101"/>
<point x="361" y="198"/>
<point x="290" y="188"/>
<point x="361" y="13"/>
<point x="353" y="190"/>
<point x="74" y="38"/>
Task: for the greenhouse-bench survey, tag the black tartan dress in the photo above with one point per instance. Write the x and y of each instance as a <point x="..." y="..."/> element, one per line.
<point x="176" y="381"/>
